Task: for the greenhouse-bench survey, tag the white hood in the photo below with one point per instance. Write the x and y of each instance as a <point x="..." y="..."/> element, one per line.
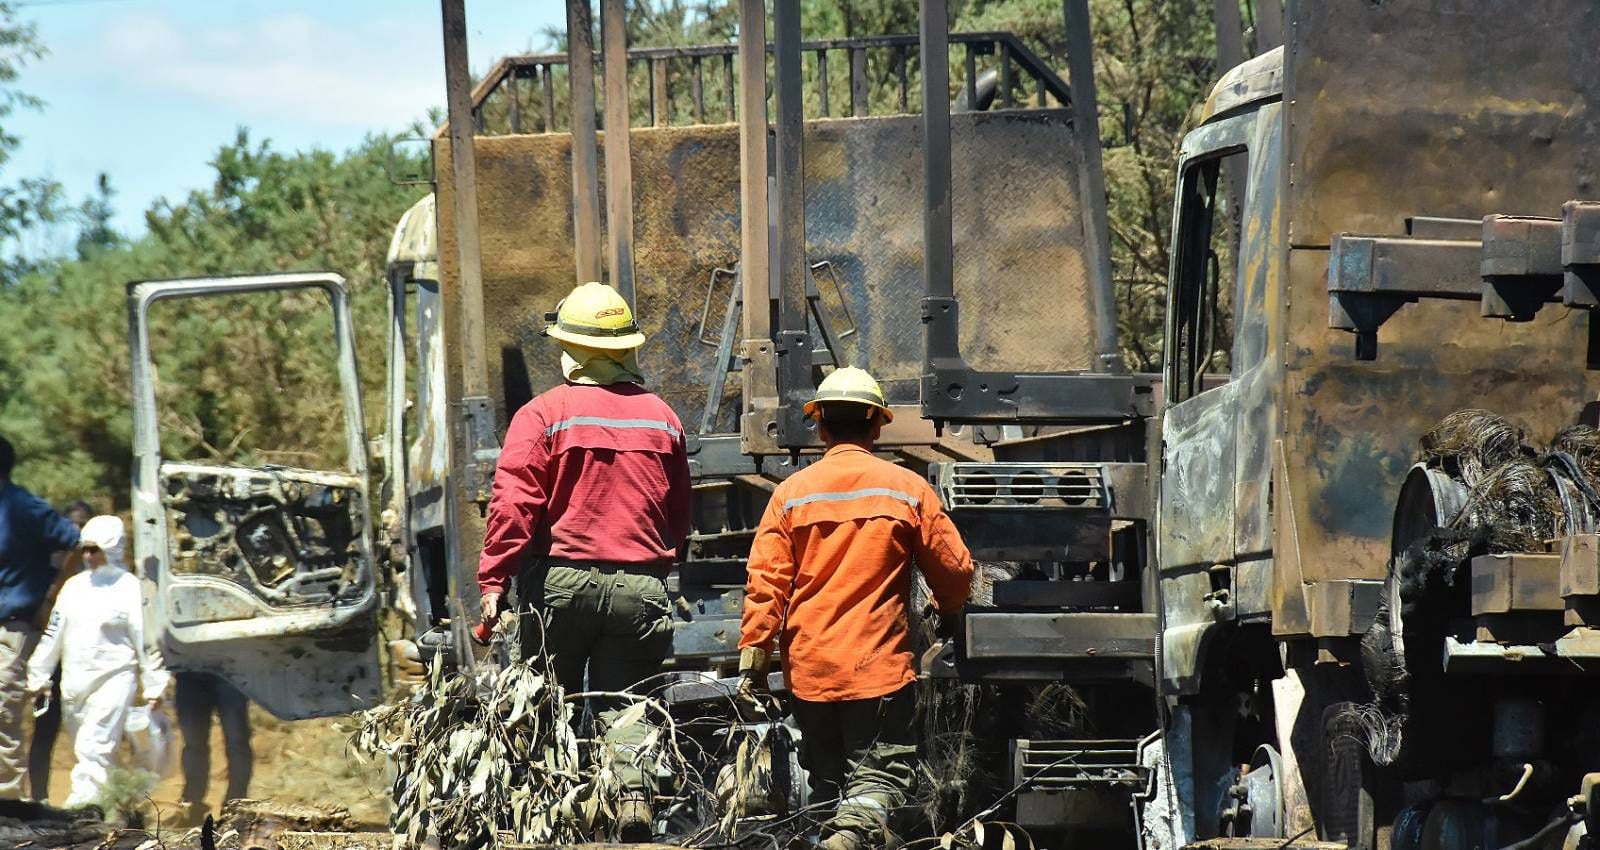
<point x="106" y="532"/>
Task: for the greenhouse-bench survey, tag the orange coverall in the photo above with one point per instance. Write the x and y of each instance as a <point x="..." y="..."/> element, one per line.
<point x="829" y="578"/>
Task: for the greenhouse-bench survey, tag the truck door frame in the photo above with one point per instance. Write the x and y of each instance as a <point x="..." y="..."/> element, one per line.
<point x="297" y="633"/>
<point x="1195" y="528"/>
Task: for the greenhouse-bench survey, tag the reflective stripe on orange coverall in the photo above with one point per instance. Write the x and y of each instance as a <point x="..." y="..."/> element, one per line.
<point x="830" y="586"/>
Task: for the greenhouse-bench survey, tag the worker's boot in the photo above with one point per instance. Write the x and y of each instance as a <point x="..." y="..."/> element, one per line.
<point x="635" y="822"/>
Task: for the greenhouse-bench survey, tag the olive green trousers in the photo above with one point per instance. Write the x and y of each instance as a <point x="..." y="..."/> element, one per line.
<point x="607" y="628"/>
<point x="863" y="754"/>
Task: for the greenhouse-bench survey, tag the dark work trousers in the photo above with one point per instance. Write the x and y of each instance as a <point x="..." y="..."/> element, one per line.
<point x="45" y="729"/>
<point x="864" y="751"/>
<point x="613" y="621"/>
<point x="197" y="696"/>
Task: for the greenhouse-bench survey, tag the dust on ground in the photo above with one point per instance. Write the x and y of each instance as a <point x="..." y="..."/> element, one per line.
<point x="303" y="761"/>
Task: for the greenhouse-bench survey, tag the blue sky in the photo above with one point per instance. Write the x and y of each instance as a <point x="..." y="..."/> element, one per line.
<point x="147" y="90"/>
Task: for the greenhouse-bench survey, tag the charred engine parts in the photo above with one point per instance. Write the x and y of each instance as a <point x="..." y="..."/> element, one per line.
<point x="1069" y="780"/>
<point x="1253" y="805"/>
<point x="290" y="537"/>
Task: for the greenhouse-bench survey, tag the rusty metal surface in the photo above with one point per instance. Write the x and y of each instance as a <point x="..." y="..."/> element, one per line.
<point x="619" y="162"/>
<point x="497" y="106"/>
<point x="585" y="170"/>
<point x="1196" y="519"/>
<point x="759" y="376"/>
<point x="1393" y="112"/>
<point x="1091" y="184"/>
<point x="1516" y="582"/>
<point x="1019" y="247"/>
<point x="1397" y="112"/>
<point x="753" y="241"/>
<point x="1255" y="80"/>
<point x="463" y="201"/>
<point x="1258" y="339"/>
<point x="789" y="268"/>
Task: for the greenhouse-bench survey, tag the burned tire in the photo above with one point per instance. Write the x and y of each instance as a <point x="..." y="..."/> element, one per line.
<point x="1417" y="716"/>
<point x="1454" y="825"/>
<point x="1348" y="810"/>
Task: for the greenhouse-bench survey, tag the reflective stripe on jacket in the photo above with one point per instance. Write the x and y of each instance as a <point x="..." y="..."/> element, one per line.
<point x="588" y="473"/>
<point x="830" y="574"/>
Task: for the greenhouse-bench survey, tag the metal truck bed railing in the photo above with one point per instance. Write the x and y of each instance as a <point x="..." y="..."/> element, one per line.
<point x="527" y="94"/>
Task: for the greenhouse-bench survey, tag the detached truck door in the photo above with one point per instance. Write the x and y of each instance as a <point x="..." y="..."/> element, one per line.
<point x="264" y="572"/>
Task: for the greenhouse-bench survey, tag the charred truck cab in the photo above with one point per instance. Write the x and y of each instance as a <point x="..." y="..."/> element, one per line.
<point x="1389" y="154"/>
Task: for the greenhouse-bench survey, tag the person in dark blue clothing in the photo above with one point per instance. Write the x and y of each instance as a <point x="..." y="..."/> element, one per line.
<point x="197" y="696"/>
<point x="30" y="532"/>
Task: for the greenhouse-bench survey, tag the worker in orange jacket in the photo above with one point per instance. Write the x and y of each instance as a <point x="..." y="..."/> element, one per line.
<point x="829" y="585"/>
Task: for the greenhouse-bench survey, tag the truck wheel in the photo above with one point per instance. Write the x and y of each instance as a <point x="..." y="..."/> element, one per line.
<point x="1454" y="825"/>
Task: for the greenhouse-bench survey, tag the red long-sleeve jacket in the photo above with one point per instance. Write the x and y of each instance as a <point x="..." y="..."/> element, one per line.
<point x="588" y="473"/>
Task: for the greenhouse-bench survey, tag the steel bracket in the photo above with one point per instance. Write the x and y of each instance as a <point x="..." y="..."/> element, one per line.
<point x="1516" y="266"/>
<point x="1580" y="254"/>
<point x="954" y="392"/>
<point x="482" y="448"/>
<point x="714" y="456"/>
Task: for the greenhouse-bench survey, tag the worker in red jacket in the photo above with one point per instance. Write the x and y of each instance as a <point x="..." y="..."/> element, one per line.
<point x="830" y="584"/>
<point x="590" y="505"/>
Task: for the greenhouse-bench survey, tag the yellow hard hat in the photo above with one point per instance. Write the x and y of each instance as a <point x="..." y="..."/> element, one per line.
<point x="594" y="316"/>
<point x="852" y="385"/>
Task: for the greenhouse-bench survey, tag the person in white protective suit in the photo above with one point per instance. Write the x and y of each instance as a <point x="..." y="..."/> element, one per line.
<point x="97" y="633"/>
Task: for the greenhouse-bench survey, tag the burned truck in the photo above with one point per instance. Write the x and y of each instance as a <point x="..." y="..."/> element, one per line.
<point x="1356" y="645"/>
<point x="696" y="256"/>
<point x="761" y="253"/>
<point x="513" y="222"/>
<point x="1368" y="596"/>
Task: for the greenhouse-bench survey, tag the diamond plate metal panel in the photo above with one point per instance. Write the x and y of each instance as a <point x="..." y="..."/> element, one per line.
<point x="1019" y="259"/>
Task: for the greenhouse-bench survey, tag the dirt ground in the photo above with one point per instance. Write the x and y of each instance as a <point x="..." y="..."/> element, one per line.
<point x="303" y="761"/>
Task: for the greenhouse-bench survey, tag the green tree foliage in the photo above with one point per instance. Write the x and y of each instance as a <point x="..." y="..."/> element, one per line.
<point x="95" y="213"/>
<point x="233" y="374"/>
<point x="24" y="203"/>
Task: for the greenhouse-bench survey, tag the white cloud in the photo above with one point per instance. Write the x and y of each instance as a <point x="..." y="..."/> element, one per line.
<point x="372" y="74"/>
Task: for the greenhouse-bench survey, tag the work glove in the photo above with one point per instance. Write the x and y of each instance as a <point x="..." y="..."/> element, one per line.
<point x="754" y="699"/>
<point x="944" y="626"/>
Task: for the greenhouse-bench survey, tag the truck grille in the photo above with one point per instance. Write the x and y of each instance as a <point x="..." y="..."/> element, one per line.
<point x="1063" y="765"/>
<point x="1023" y="485"/>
